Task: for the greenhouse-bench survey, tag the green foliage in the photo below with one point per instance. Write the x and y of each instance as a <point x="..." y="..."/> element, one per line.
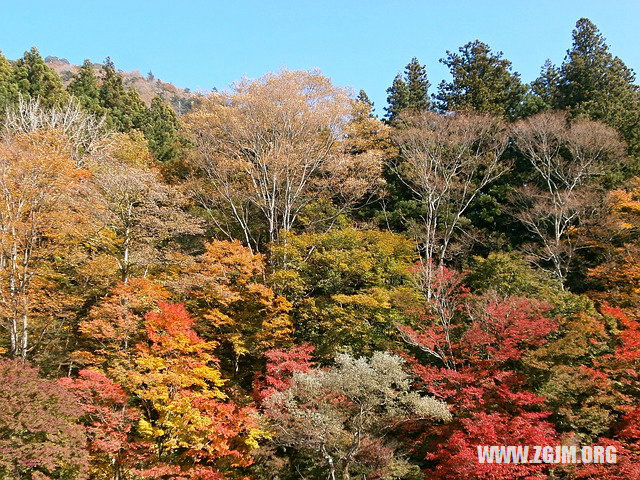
<point x="85" y="88"/>
<point x="125" y="109"/>
<point x="592" y="82"/>
<point x="409" y="92"/>
<point x="35" y="79"/>
<point x="8" y="87"/>
<point x="508" y="274"/>
<point x="342" y="285"/>
<point x="162" y="130"/>
<point x="481" y="81"/>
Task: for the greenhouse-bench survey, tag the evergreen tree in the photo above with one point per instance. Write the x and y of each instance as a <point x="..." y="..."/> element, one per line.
<point x="8" y="87"/>
<point x="595" y="83"/>
<point x="85" y="88"/>
<point x="162" y="130"/>
<point x="35" y="79"/>
<point x="397" y="98"/>
<point x="125" y="109"/>
<point x="545" y="87"/>
<point x="364" y="98"/>
<point x="481" y="81"/>
<point x="408" y="92"/>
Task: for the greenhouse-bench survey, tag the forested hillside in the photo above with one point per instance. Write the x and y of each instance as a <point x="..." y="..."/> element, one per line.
<point x="274" y="283"/>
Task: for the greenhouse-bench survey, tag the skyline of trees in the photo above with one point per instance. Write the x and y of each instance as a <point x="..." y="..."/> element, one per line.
<point x="280" y="285"/>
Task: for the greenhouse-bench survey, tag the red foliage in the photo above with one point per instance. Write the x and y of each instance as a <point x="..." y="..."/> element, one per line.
<point x="280" y="368"/>
<point x="39" y="434"/>
<point x="107" y="417"/>
<point x="505" y="329"/>
<point x="474" y="347"/>
<point x="457" y="457"/>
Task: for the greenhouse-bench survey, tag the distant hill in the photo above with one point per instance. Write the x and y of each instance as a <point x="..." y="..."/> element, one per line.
<point x="181" y="99"/>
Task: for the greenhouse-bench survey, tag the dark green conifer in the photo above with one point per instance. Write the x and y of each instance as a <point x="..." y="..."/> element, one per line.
<point x="482" y="81"/>
<point x="35" y="79"/>
<point x="408" y="92"/>
<point x="595" y="83"/>
<point x="84" y="86"/>
<point x="162" y="130"/>
<point x="8" y="87"/>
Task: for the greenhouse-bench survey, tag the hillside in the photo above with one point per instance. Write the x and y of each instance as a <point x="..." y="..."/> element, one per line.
<point x="181" y="99"/>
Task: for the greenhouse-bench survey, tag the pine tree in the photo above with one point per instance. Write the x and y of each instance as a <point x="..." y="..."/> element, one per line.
<point x="35" y="79"/>
<point x="85" y="88"/>
<point x="595" y="83"/>
<point x="125" y="109"/>
<point x="482" y="81"/>
<point x="417" y="85"/>
<point x="545" y="87"/>
<point x="408" y="92"/>
<point x="397" y="98"/>
<point x="162" y="130"/>
<point x="8" y="87"/>
<point x="364" y="98"/>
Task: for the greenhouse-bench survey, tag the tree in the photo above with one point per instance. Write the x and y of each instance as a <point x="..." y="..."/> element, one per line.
<point x="445" y="162"/>
<point x="280" y="367"/>
<point x="193" y="427"/>
<point x="269" y="149"/>
<point x="36" y="80"/>
<point x="42" y="217"/>
<point x="545" y="88"/>
<point x="364" y="132"/>
<point x="108" y="421"/>
<point x="616" y="277"/>
<point x="482" y="81"/>
<point x="115" y="325"/>
<point x="340" y="417"/>
<point x="41" y="437"/>
<point x="473" y="355"/>
<point x="8" y="87"/>
<point x="162" y="130"/>
<point x="409" y="92"/>
<point x="596" y="84"/>
<point x="343" y="285"/>
<point x="84" y="132"/>
<point x="84" y="86"/>
<point x="125" y="109"/>
<point x="225" y="286"/>
<point x="143" y="213"/>
<point x="566" y="158"/>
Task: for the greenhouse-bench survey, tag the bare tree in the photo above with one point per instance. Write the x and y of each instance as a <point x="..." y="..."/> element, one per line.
<point x="84" y="132"/>
<point x="445" y="161"/>
<point x="143" y="213"/>
<point x="566" y="157"/>
<point x="270" y="148"/>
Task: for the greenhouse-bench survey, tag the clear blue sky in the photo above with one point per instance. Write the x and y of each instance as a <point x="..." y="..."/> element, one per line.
<point x="205" y="44"/>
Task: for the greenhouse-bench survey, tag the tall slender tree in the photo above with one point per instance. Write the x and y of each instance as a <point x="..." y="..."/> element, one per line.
<point x="84" y="86"/>
<point x="162" y="130"/>
<point x="408" y="92"/>
<point x="595" y="83"/>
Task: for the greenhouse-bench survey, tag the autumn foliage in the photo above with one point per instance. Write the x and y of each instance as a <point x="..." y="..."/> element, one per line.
<point x="280" y="285"/>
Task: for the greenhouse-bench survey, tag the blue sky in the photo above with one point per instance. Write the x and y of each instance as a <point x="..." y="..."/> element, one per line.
<point x="205" y="44"/>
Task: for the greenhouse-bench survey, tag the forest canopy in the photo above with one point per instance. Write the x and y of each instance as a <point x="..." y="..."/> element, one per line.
<point x="274" y="283"/>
